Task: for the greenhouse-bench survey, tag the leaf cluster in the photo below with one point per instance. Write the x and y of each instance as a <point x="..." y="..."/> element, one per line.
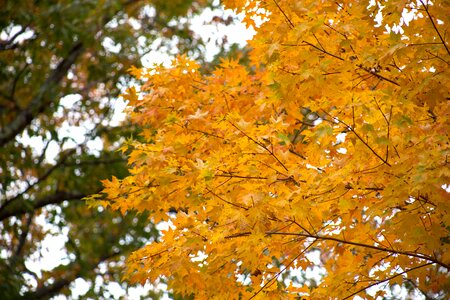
<point x="336" y="141"/>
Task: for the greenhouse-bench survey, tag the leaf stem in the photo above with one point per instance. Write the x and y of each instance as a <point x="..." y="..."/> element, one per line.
<point x="359" y="137"/>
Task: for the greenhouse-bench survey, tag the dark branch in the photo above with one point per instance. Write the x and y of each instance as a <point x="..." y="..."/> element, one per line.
<point x="226" y="201"/>
<point x="9" y="44"/>
<point x="95" y="162"/>
<point x="261" y="145"/>
<point x="42" y="99"/>
<point x="284" y="14"/>
<point x="368" y="246"/>
<point x="46" y="292"/>
<point x="272" y="280"/>
<point x="44" y="176"/>
<point x="319" y="237"/>
<point x="359" y="137"/>
<point x="17" y="255"/>
<point x="23" y="235"/>
<point x="384" y="280"/>
<point x="21" y="207"/>
<point x="323" y="50"/>
<point x="377" y="75"/>
<point x="434" y="26"/>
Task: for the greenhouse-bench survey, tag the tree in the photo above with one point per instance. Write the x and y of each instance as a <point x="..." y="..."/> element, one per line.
<point x="334" y="141"/>
<point x="62" y="67"/>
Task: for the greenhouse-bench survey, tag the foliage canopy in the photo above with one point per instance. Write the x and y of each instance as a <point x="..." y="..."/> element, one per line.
<point x="335" y="140"/>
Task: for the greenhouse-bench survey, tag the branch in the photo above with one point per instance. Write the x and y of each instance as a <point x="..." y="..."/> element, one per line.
<point x="14" y="85"/>
<point x="226" y="201"/>
<point x="46" y="292"/>
<point x="434" y="26"/>
<point x="323" y="50"/>
<point x="261" y="145"/>
<point x="241" y="176"/>
<point x="284" y="14"/>
<point x="41" y="100"/>
<point x="44" y="176"/>
<point x="360" y="138"/>
<point x="95" y="162"/>
<point x="316" y="236"/>
<point x="9" y="44"/>
<point x="386" y="279"/>
<point x="232" y="175"/>
<point x="60" y="163"/>
<point x="305" y="43"/>
<point x="348" y="186"/>
<point x="429" y="258"/>
<point x="23" y="235"/>
<point x="15" y="257"/>
<point x="379" y="76"/>
<point x="21" y="207"/>
<point x="271" y="280"/>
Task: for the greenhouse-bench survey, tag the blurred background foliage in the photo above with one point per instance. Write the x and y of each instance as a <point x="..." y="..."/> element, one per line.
<point x="63" y="65"/>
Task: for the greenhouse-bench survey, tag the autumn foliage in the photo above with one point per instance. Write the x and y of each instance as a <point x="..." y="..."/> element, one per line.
<point x="334" y="139"/>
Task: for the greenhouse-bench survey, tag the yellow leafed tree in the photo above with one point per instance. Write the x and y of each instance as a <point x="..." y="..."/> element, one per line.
<point x="334" y="141"/>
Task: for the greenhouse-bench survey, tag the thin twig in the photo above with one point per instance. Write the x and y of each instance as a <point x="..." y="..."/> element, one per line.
<point x="324" y="51"/>
<point x="271" y="280"/>
<point x="379" y="76"/>
<point x="261" y="145"/>
<point x="434" y="26"/>
<point x="386" y="279"/>
<point x="388" y="125"/>
<point x="359" y="137"/>
<point x="226" y="201"/>
<point x="330" y="238"/>
<point x="284" y="14"/>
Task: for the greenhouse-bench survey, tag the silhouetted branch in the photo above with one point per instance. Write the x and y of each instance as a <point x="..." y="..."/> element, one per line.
<point x="21" y="207"/>
<point x="428" y="258"/>
<point x="434" y="26"/>
<point x="41" y="100"/>
<point x="9" y="44"/>
<point x="46" y="292"/>
<point x="384" y="280"/>
<point x="41" y="178"/>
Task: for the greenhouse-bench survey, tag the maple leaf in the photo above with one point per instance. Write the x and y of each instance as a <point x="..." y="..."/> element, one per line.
<point x="198" y="115"/>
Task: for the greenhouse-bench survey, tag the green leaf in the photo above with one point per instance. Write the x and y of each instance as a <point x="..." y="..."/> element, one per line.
<point x="324" y="130"/>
